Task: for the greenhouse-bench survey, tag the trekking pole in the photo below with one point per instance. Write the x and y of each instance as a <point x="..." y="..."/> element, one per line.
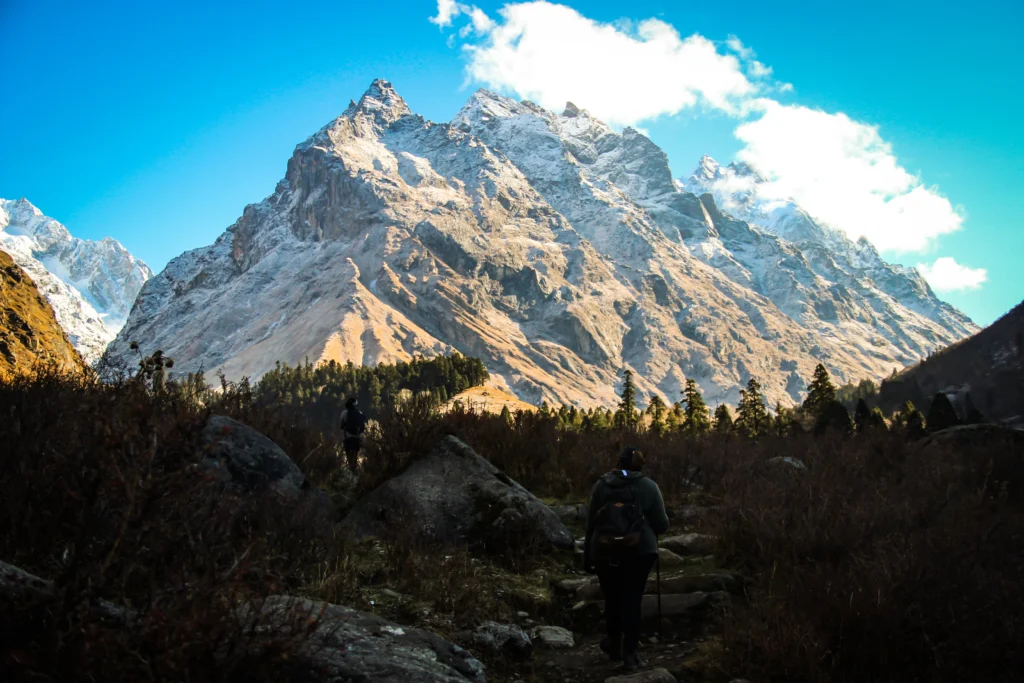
<point x="657" y="574"/>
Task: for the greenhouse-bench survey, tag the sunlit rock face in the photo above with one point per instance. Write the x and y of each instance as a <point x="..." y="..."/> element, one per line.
<point x="553" y="248"/>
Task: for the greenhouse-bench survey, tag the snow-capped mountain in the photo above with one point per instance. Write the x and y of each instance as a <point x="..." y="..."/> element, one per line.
<point x="90" y="285"/>
<point x="550" y="246"/>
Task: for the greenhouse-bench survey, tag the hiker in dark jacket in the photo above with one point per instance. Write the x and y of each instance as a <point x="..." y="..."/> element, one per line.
<point x="625" y="516"/>
<point x="353" y="424"/>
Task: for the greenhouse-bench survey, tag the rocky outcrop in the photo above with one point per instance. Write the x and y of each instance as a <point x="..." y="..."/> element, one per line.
<point x="455" y="496"/>
<point x="90" y="285"/>
<point x="344" y="644"/>
<point x="503" y="639"/>
<point x="29" y="332"/>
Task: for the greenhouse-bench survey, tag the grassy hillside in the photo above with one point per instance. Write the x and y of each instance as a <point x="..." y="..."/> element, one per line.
<point x="989" y="366"/>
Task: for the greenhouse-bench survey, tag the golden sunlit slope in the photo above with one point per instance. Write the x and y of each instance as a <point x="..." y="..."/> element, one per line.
<point x="28" y="328"/>
<point x="488" y="399"/>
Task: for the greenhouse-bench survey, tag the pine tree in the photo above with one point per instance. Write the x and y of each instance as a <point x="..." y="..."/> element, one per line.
<point x="834" y="416"/>
<point x="974" y="415"/>
<point x="785" y="420"/>
<point x="723" y="419"/>
<point x="544" y="410"/>
<point x="751" y="415"/>
<point x="698" y="420"/>
<point x="862" y="415"/>
<point x="820" y="393"/>
<point x="877" y="419"/>
<point x="674" y="419"/>
<point x="506" y="415"/>
<point x="656" y="410"/>
<point x="941" y="413"/>
<point x="626" y="416"/>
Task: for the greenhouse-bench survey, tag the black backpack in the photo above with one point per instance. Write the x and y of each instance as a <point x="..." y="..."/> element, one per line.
<point x="355" y="422"/>
<point x="619" y="523"/>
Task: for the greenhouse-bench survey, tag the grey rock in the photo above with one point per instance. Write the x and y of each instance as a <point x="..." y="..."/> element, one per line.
<point x="689" y="544"/>
<point x="505" y="639"/>
<point x="349" y="645"/>
<point x="658" y="675"/>
<point x="553" y="637"/>
<point x="693" y="583"/>
<point x="570" y="513"/>
<point x="453" y="495"/>
<point x="247" y="460"/>
<point x="22" y="589"/>
<point x="669" y="559"/>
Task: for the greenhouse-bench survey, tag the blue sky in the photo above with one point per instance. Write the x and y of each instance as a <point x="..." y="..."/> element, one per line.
<point x="157" y="124"/>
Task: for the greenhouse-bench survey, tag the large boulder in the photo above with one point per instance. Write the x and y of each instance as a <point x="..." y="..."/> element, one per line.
<point x="455" y="496"/>
<point x="689" y="544"/>
<point x="246" y="460"/>
<point x="348" y="645"/>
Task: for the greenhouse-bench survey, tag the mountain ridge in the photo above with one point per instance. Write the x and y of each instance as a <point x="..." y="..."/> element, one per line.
<point x="91" y="285"/>
<point x="553" y="248"/>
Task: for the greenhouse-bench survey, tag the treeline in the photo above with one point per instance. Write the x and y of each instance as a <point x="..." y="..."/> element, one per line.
<point x="825" y="409"/>
<point x="320" y="391"/>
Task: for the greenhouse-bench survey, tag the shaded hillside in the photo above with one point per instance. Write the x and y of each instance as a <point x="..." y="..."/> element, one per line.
<point x="28" y="328"/>
<point x="986" y="369"/>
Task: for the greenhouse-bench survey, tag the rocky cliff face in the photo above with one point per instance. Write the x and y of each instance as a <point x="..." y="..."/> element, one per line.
<point x="553" y="248"/>
<point x="29" y="332"/>
<point x="91" y="285"/>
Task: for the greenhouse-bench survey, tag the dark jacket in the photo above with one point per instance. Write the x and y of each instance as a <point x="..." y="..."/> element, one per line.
<point x="651" y="503"/>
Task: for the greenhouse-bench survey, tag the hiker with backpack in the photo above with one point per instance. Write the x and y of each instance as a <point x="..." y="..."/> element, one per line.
<point x="625" y="516"/>
<point x="353" y="424"/>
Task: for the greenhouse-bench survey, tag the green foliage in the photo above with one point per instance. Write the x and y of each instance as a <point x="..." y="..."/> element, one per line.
<point x="862" y="415"/>
<point x="785" y="421"/>
<point x="319" y="392"/>
<point x="656" y="410"/>
<point x="698" y="421"/>
<point x="941" y="414"/>
<point x="626" y="416"/>
<point x="723" y="419"/>
<point x="834" y="416"/>
<point x="752" y="417"/>
<point x="820" y="394"/>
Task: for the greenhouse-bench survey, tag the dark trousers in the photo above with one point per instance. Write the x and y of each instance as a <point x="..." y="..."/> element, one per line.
<point x="623" y="588"/>
<point x="352" y="445"/>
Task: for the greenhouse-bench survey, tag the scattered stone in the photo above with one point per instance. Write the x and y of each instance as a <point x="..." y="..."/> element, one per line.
<point x="346" y="644"/>
<point x="658" y="675"/>
<point x="689" y="544"/>
<point x="570" y="513"/>
<point x="669" y="558"/>
<point x="572" y="585"/>
<point x="453" y="495"/>
<point x="707" y="583"/>
<point x="785" y="460"/>
<point x="522" y="614"/>
<point x="505" y="639"/>
<point x="394" y="595"/>
<point x="673" y="604"/>
<point x="554" y="637"/>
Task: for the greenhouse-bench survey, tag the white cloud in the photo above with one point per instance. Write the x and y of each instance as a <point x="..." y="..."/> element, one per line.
<point x="446" y="11"/>
<point x="845" y="174"/>
<point x="946" y="275"/>
<point x="840" y="170"/>
<point x="552" y="54"/>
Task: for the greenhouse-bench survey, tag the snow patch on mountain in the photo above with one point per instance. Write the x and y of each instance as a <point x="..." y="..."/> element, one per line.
<point x="91" y="285"/>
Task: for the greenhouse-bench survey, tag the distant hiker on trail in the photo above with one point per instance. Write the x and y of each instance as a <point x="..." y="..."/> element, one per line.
<point x="625" y="516"/>
<point x="353" y="424"/>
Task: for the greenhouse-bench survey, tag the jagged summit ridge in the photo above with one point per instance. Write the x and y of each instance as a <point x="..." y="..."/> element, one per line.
<point x="91" y="285"/>
<point x="554" y="248"/>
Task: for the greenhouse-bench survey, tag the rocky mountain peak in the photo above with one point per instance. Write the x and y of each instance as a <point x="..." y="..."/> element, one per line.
<point x="382" y="102"/>
<point x="552" y="247"/>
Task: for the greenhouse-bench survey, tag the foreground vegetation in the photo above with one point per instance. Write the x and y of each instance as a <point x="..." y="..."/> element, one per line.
<point x="892" y="556"/>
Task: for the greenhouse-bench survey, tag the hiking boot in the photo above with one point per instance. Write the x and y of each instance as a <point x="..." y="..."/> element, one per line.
<point x="631" y="661"/>
<point x="614" y="653"/>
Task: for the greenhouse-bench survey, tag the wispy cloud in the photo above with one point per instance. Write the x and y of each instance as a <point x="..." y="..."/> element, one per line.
<point x="841" y="170"/>
<point x="946" y="275"/>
